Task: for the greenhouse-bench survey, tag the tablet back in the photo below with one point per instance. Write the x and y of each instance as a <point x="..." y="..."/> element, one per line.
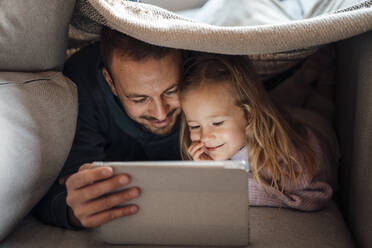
<point x="184" y="203"/>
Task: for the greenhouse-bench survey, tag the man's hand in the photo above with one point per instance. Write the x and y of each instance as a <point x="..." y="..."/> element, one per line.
<point x="86" y="199"/>
<point x="197" y="151"/>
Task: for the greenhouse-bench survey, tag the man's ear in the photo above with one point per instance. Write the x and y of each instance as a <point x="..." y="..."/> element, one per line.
<point x="109" y="81"/>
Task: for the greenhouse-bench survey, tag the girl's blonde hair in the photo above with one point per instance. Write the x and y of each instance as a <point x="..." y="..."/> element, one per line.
<point x="271" y="134"/>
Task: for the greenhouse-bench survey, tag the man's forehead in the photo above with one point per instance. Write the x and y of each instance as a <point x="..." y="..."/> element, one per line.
<point x="125" y="58"/>
<point x="148" y="76"/>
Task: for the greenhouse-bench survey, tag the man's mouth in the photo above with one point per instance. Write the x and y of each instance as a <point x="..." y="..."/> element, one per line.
<point x="213" y="148"/>
<point x="160" y="124"/>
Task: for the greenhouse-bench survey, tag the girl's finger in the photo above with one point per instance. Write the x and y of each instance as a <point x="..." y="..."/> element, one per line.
<point x="195" y="147"/>
<point x="191" y="147"/>
<point x="205" y="156"/>
<point x="198" y="154"/>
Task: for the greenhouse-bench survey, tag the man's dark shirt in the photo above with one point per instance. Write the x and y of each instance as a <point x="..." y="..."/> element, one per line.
<point x="104" y="132"/>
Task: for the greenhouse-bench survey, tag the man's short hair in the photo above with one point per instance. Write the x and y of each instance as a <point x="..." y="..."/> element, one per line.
<point x="126" y="46"/>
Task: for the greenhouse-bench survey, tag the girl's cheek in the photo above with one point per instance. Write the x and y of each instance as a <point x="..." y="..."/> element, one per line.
<point x="194" y="136"/>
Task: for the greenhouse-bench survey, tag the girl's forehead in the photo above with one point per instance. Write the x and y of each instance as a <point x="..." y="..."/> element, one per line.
<point x="208" y="89"/>
<point x="208" y="101"/>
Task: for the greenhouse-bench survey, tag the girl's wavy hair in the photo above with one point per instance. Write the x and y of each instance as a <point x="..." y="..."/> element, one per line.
<point x="271" y="134"/>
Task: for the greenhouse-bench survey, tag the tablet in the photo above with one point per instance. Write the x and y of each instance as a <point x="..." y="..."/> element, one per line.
<point x="183" y="203"/>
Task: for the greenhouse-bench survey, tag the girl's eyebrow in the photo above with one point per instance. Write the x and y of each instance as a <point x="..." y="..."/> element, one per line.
<point x="217" y="116"/>
<point x="211" y="117"/>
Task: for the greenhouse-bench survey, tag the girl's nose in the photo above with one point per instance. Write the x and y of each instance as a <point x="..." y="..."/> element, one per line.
<point x="206" y="135"/>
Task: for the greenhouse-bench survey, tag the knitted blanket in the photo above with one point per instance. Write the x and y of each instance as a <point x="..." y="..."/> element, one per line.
<point x="164" y="28"/>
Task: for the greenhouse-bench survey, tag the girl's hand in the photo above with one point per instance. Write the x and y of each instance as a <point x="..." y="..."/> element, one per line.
<point x="197" y="151"/>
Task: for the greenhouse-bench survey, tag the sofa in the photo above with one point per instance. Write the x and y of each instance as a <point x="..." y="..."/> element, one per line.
<point x="38" y="109"/>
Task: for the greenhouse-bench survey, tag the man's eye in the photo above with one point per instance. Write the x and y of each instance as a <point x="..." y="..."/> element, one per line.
<point x="194" y="127"/>
<point x="139" y="100"/>
<point x="171" y="92"/>
<point x="219" y="123"/>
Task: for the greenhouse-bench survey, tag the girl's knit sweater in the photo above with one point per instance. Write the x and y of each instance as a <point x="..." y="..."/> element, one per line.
<point x="306" y="194"/>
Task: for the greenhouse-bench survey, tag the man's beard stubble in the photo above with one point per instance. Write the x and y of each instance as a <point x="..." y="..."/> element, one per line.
<point x="159" y="131"/>
<point x="150" y="118"/>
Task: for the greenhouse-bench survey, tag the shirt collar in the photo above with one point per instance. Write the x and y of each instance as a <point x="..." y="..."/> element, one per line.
<point x="242" y="154"/>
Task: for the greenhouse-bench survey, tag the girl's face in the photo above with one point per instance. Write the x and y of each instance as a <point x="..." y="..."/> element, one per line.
<point x="214" y="119"/>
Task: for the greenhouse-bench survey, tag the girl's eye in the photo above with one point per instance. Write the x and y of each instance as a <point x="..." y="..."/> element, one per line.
<point x="194" y="127"/>
<point x="218" y="123"/>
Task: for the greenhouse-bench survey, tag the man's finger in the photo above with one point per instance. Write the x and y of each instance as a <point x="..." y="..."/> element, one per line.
<point x="106" y="216"/>
<point x="85" y="167"/>
<point x="110" y="201"/>
<point x="100" y="188"/>
<point x="87" y="177"/>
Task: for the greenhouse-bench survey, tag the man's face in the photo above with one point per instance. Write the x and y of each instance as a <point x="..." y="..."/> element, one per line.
<point x="148" y="89"/>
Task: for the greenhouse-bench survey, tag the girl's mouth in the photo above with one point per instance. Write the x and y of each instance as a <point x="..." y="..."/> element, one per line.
<point x="211" y="149"/>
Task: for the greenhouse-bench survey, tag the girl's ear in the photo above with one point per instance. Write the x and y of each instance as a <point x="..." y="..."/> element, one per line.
<point x="109" y="81"/>
<point x="247" y="112"/>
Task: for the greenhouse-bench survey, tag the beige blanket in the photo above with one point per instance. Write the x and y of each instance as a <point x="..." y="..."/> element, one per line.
<point x="340" y="19"/>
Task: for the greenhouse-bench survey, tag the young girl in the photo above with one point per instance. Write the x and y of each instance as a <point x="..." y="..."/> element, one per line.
<point x="229" y="115"/>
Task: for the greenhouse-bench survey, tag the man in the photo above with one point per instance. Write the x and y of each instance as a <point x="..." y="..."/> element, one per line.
<point x="128" y="110"/>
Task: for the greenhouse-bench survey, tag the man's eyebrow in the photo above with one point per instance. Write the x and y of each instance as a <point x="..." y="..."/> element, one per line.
<point x="144" y="96"/>
<point x="135" y="96"/>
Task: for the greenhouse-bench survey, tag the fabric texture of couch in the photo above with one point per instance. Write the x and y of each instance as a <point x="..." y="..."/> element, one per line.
<point x="354" y="126"/>
<point x="38" y="105"/>
<point x="33" y="34"/>
<point x="38" y="113"/>
<point x="270" y="227"/>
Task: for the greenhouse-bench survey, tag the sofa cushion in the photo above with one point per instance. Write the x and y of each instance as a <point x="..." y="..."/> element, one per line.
<point x="33" y="34"/>
<point x="270" y="227"/>
<point x="38" y="114"/>
<point x="354" y="126"/>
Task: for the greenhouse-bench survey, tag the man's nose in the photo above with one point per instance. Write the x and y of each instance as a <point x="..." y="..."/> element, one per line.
<point x="160" y="109"/>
